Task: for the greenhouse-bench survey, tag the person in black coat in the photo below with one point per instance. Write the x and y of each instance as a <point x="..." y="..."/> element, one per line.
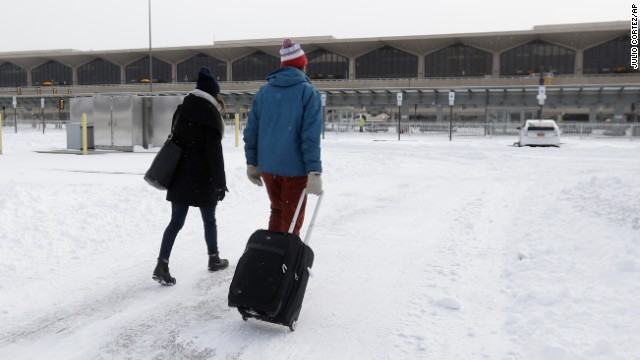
<point x="199" y="179"/>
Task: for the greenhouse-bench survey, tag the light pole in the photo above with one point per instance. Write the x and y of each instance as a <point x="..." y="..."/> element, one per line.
<point x="15" y="114"/>
<point x="150" y="53"/>
<point x="399" y="100"/>
<point x="452" y="99"/>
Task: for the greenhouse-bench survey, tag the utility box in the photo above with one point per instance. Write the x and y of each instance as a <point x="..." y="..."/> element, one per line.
<point x="74" y="136"/>
<point x="158" y="124"/>
<point x="118" y="122"/>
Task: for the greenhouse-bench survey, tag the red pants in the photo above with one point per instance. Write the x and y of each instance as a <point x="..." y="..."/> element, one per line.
<point x="284" y="193"/>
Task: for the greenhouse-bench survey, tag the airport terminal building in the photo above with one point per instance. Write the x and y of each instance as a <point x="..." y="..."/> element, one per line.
<point x="587" y="71"/>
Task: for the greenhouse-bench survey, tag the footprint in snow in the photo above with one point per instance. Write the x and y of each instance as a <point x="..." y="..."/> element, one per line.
<point x="449" y="303"/>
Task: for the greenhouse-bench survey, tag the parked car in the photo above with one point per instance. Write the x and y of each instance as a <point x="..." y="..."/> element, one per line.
<point x="539" y="133"/>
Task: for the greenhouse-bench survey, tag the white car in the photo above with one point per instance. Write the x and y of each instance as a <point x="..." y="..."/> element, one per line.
<point x="539" y="133"/>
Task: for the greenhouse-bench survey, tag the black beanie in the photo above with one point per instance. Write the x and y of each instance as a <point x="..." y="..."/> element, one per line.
<point x="206" y="82"/>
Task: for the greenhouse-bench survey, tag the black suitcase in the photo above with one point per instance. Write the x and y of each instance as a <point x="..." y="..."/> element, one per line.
<point x="271" y="277"/>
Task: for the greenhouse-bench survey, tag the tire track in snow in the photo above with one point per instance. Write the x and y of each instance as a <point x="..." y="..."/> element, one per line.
<point x="451" y="299"/>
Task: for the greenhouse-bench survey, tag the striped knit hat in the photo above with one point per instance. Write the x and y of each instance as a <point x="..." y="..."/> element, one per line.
<point x="291" y="54"/>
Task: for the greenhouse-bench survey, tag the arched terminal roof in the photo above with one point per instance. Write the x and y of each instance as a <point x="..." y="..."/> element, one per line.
<point x="574" y="36"/>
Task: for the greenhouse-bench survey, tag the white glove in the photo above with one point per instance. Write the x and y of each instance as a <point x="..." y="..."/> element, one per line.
<point x="254" y="175"/>
<point x="314" y="183"/>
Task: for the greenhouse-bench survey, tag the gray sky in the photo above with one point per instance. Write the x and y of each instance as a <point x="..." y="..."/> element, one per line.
<point x="124" y="24"/>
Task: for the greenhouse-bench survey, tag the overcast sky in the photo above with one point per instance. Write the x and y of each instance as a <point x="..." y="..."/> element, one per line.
<point x="31" y="25"/>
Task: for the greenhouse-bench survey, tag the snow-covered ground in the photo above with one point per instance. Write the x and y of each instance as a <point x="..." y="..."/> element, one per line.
<point x="425" y="249"/>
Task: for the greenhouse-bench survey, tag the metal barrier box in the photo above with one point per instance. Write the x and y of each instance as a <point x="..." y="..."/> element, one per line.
<point x="74" y="136"/>
<point x="122" y="122"/>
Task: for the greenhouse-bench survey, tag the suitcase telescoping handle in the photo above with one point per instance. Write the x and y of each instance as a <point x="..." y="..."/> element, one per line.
<point x="313" y="218"/>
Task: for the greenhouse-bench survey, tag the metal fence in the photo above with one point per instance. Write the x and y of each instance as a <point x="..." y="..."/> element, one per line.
<point x="11" y="124"/>
<point x="578" y="130"/>
<point x="419" y="129"/>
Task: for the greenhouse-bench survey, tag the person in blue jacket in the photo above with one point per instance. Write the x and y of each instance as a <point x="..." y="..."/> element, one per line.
<point x="282" y="138"/>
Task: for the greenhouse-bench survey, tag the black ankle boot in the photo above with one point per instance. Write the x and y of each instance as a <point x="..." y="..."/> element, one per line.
<point x="161" y="274"/>
<point x="215" y="263"/>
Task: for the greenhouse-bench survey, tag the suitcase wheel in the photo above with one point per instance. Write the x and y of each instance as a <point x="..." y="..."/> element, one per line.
<point x="245" y="318"/>
<point x="293" y="325"/>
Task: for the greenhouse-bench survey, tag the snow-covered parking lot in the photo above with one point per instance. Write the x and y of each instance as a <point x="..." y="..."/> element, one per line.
<point x="425" y="249"/>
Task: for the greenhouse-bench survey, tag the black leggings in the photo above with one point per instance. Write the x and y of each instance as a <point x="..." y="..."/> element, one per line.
<point x="178" y="216"/>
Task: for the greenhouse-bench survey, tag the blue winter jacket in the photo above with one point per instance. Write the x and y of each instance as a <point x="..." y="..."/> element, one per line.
<point x="282" y="136"/>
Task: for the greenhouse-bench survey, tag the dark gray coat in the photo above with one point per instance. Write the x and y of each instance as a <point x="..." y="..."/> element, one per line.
<point x="198" y="130"/>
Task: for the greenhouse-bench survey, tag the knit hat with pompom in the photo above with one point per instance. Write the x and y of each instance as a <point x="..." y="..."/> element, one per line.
<point x="291" y="54"/>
